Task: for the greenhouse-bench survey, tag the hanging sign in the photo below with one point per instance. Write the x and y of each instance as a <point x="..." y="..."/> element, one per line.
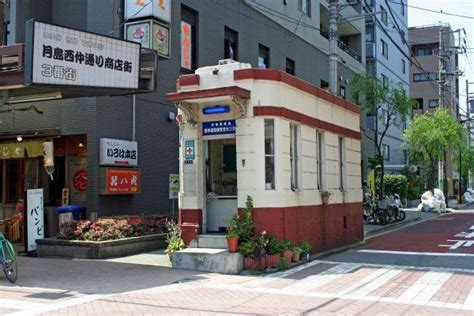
<point x="34" y="218"/>
<point x="160" y="9"/>
<point x="117" y="152"/>
<point x="120" y="181"/>
<point x="65" y="56"/>
<point x="173" y="186"/>
<point x="150" y="34"/>
<point x="216" y="128"/>
<point x="186" y="46"/>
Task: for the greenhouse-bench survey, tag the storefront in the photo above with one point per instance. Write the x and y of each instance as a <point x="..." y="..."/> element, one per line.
<point x="269" y="135"/>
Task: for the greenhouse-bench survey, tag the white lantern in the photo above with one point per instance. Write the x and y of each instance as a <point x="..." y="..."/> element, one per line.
<point x="48" y="158"/>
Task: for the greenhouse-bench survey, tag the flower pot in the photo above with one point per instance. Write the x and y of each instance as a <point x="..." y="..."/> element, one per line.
<point x="305" y="256"/>
<point x="325" y="199"/>
<point x="296" y="256"/>
<point x="272" y="260"/>
<point x="233" y="244"/>
<point x="258" y="264"/>
<point x="288" y="255"/>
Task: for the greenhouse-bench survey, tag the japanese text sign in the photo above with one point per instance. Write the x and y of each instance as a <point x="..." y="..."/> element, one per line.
<point x="116" y="152"/>
<point x="64" y="56"/>
<point x="121" y="181"/>
<point x="160" y="9"/>
<point x="151" y="35"/>
<point x="189" y="149"/>
<point x="34" y="218"/>
<point x="186" y="46"/>
<point x="215" y="128"/>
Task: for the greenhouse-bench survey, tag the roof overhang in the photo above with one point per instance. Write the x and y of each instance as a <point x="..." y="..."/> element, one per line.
<point x="208" y="95"/>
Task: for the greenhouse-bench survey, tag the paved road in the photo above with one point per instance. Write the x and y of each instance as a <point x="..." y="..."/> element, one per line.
<point x="397" y="273"/>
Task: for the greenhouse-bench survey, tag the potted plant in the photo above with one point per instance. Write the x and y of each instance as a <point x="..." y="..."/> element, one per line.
<point x="305" y="250"/>
<point x="325" y="196"/>
<point x="296" y="254"/>
<point x="272" y="256"/>
<point x="287" y="253"/>
<point x="233" y="234"/>
<point x="247" y="249"/>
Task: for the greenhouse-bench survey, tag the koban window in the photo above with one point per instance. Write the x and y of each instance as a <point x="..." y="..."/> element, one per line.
<point x="269" y="154"/>
<point x="294" y="156"/>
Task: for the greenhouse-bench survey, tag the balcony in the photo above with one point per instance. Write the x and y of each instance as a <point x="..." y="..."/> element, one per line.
<point x="349" y="51"/>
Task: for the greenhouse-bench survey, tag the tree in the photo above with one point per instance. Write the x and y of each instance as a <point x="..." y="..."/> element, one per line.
<point x="388" y="104"/>
<point x="432" y="137"/>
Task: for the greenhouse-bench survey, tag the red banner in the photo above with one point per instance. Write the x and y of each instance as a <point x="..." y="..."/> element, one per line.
<point x="122" y="181"/>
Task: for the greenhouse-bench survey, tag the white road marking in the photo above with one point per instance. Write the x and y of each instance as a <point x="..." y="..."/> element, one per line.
<point x="425" y="287"/>
<point x="469" y="302"/>
<point x="383" y="277"/>
<point x="418" y="253"/>
<point x="313" y="281"/>
<point x="17" y="304"/>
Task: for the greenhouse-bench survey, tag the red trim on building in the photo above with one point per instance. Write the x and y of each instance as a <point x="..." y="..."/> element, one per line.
<point x="277" y="75"/>
<point x="305" y="119"/>
<point x="189" y="80"/>
<point x="323" y="226"/>
<point x="208" y="93"/>
<point x="190" y="222"/>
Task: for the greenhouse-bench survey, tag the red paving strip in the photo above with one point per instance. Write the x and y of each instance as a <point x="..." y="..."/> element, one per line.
<point x="300" y="275"/>
<point x="427" y="236"/>
<point x="398" y="284"/>
<point x="345" y="280"/>
<point x="455" y="289"/>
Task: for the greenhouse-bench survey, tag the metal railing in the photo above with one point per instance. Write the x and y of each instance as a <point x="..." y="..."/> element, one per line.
<point x="349" y="51"/>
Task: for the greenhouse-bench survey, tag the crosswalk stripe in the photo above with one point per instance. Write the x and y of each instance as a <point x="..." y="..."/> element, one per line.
<point x="381" y="277"/>
<point x="17" y="304"/>
<point x="469" y="302"/>
<point x="313" y="281"/>
<point x="425" y="287"/>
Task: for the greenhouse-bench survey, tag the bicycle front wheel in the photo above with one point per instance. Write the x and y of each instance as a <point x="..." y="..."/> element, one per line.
<point x="10" y="265"/>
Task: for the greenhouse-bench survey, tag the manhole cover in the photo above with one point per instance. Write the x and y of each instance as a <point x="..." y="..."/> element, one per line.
<point x="191" y="281"/>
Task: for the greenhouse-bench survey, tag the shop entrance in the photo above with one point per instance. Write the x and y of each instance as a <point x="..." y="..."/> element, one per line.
<point x="221" y="183"/>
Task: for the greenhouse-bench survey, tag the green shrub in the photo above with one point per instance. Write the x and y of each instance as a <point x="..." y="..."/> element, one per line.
<point x="247" y="249"/>
<point x="396" y="183"/>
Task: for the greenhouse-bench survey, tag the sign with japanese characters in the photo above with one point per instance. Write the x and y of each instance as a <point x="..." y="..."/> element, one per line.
<point x="116" y="152"/>
<point x="189" y="149"/>
<point x="218" y="128"/>
<point x="34" y="218"/>
<point x="160" y="9"/>
<point x="150" y="34"/>
<point x="173" y="186"/>
<point x="64" y="56"/>
<point x="186" y="46"/>
<point x="463" y="239"/>
<point x="77" y="179"/>
<point x="121" y="181"/>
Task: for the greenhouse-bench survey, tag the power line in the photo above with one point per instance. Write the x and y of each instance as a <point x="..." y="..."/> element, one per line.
<point x="289" y="41"/>
<point x="434" y="11"/>
<point x="126" y="20"/>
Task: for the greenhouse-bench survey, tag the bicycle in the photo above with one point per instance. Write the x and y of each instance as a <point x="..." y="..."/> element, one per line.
<point x="8" y="259"/>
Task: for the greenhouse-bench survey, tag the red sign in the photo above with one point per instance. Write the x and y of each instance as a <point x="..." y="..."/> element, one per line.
<point x="122" y="181"/>
<point x="79" y="180"/>
<point x="186" y="46"/>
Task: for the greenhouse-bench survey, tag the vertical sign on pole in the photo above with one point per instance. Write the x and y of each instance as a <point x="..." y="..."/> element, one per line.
<point x="34" y="218"/>
<point x="173" y="189"/>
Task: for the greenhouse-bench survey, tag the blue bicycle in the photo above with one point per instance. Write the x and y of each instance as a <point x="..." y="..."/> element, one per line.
<point x="8" y="259"/>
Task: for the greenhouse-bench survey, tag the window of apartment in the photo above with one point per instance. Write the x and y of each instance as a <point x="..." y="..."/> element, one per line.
<point x="294" y="156"/>
<point x="263" y="57"/>
<point x="402" y="7"/>
<point x="429" y="76"/>
<point x="384" y="49"/>
<point x="320" y="159"/>
<point x="342" y="163"/>
<point x="304" y="6"/>
<point x="419" y="104"/>
<point x="342" y="92"/>
<point x="383" y="15"/>
<point x="404" y="66"/>
<point x="290" y="66"/>
<point x="188" y="39"/>
<point x="385" y="81"/>
<point x="424" y="51"/>
<point x="433" y="103"/>
<point x="386" y="152"/>
<point x="230" y="43"/>
<point x="269" y="154"/>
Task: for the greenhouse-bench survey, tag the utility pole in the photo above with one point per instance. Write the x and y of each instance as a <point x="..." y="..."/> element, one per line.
<point x="333" y="16"/>
<point x="440" y="95"/>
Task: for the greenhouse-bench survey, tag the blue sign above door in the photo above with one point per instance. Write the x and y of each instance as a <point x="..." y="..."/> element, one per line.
<point x="218" y="128"/>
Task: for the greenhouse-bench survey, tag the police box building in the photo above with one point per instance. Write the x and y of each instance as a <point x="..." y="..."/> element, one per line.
<point x="89" y="80"/>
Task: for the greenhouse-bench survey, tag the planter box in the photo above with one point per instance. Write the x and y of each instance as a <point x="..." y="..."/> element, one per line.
<point x="80" y="249"/>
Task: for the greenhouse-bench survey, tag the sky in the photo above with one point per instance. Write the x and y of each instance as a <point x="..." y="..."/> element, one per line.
<point x="418" y="17"/>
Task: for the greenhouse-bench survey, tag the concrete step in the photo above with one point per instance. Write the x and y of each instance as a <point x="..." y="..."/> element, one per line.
<point x="208" y="260"/>
<point x="212" y="241"/>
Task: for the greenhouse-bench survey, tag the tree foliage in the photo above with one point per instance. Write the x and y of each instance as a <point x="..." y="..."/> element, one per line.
<point x="431" y="137"/>
<point x="388" y="104"/>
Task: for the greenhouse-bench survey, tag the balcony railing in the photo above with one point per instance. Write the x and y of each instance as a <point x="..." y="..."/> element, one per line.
<point x="349" y="51"/>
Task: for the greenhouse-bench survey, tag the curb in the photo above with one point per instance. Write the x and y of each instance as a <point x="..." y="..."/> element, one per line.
<point x="386" y="228"/>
